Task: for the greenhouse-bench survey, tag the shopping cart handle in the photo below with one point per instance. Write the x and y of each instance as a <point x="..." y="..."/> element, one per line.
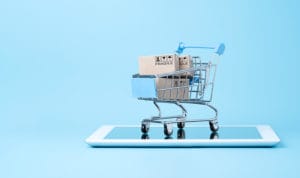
<point x="219" y="51"/>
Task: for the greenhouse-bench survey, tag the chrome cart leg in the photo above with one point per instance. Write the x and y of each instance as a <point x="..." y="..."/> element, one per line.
<point x="184" y="112"/>
<point x="158" y="109"/>
<point x="145" y="125"/>
<point x="213" y="123"/>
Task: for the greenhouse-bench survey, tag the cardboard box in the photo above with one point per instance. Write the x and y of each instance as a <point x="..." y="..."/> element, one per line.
<point x="153" y="65"/>
<point x="185" y="62"/>
<point x="173" y="89"/>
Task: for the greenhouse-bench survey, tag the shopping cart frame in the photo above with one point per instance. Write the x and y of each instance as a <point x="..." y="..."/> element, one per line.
<point x="180" y="120"/>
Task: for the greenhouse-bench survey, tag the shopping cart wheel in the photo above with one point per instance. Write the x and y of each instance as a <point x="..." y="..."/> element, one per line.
<point x="214" y="126"/>
<point x="145" y="126"/>
<point x="180" y="123"/>
<point x="168" y="130"/>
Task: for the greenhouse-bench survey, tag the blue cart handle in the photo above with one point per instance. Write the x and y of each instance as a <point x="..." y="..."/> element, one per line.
<point x="220" y="49"/>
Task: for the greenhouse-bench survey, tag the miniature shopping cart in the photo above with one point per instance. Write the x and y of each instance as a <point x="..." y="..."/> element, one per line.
<point x="193" y="85"/>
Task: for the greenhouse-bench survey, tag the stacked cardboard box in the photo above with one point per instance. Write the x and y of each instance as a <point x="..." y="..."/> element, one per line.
<point x="172" y="88"/>
<point x="185" y="62"/>
<point x="167" y="88"/>
<point x="153" y="65"/>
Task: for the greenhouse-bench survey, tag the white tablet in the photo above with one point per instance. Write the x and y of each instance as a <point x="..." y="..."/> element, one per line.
<point x="192" y="136"/>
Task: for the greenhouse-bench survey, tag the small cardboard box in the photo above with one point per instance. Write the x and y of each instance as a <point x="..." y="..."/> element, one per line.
<point x="153" y="65"/>
<point x="173" y="89"/>
<point x="185" y="62"/>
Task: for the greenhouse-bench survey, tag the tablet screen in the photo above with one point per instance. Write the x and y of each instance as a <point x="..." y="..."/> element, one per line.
<point x="186" y="133"/>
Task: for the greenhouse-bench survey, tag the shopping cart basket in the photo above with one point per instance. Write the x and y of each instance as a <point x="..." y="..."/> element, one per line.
<point x="190" y="86"/>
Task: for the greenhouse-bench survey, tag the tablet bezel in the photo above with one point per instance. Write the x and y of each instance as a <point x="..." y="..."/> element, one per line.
<point x="268" y="139"/>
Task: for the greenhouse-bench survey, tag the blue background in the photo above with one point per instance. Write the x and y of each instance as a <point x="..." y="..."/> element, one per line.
<point x="65" y="69"/>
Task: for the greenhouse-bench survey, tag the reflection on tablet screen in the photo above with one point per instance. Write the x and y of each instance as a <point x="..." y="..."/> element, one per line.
<point x="186" y="133"/>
